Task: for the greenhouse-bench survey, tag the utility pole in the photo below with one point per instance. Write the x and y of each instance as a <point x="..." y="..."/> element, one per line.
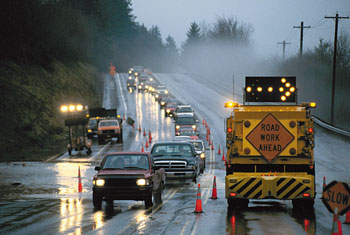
<point x="336" y="17"/>
<point x="301" y="27"/>
<point x="284" y="43"/>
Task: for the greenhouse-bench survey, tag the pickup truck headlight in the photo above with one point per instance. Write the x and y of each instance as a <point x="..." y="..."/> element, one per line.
<point x="142" y="182"/>
<point x="162" y="103"/>
<point x="194" y="127"/>
<point x="202" y="155"/>
<point x="168" y="110"/>
<point x="177" y="126"/>
<point x="100" y="182"/>
<point x="140" y="87"/>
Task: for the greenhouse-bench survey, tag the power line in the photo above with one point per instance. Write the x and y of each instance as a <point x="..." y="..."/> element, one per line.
<point x="337" y="18"/>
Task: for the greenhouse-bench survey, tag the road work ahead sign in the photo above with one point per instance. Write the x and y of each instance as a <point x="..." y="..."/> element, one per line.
<point x="270" y="137"/>
<point x="337" y="194"/>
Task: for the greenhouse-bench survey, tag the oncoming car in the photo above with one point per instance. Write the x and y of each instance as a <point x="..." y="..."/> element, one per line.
<point x="127" y="176"/>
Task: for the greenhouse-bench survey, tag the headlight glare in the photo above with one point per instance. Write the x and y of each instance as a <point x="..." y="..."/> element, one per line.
<point x="100" y="182"/>
<point x="142" y="182"/>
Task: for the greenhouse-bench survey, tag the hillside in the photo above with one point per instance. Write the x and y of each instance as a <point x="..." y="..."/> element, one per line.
<point x="32" y="127"/>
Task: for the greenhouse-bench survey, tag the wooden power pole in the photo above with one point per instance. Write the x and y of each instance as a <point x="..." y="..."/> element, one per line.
<point x="284" y="43"/>
<point x="301" y="27"/>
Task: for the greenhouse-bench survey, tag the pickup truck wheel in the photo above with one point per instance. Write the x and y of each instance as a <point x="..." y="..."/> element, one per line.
<point x="303" y="203"/>
<point x="237" y="203"/>
<point x="97" y="200"/>
<point x="148" y="201"/>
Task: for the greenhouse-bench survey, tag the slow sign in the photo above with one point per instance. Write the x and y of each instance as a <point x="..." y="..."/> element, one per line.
<point x="337" y="195"/>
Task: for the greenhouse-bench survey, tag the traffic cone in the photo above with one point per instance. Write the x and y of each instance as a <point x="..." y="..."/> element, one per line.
<point x="80" y="186"/>
<point x="223" y="155"/>
<point x="149" y="135"/>
<point x="198" y="201"/>
<point x="335" y="224"/>
<point x="212" y="144"/>
<point x="142" y="149"/>
<point x="324" y="182"/>
<point x="203" y="121"/>
<point x="144" y="132"/>
<point x="150" y="139"/>
<point x="146" y="144"/>
<point x="207" y="137"/>
<point x="219" y="151"/>
<point x="214" y="194"/>
<point x="347" y="218"/>
<point x="340" y="229"/>
<point x="209" y="142"/>
<point x="140" y="128"/>
<point x="209" y="131"/>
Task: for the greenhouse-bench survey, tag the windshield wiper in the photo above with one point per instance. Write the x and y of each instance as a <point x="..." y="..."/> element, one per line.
<point x="134" y="167"/>
<point x="112" y="168"/>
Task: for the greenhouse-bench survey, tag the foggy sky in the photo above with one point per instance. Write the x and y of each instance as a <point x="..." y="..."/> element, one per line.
<point x="272" y="20"/>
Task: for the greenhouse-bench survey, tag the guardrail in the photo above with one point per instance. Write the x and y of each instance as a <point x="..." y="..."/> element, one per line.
<point x="330" y="127"/>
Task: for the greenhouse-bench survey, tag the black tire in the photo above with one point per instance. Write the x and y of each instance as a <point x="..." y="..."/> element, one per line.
<point x="303" y="203"/>
<point x="158" y="194"/>
<point x="97" y="200"/>
<point x="237" y="203"/>
<point x="195" y="178"/>
<point x="101" y="140"/>
<point x="148" y="201"/>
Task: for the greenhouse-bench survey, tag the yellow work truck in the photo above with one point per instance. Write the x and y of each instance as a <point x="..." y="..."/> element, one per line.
<point x="270" y="142"/>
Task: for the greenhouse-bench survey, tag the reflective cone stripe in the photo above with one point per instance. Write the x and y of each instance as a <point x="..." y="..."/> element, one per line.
<point x="214" y="194"/>
<point x="198" y="201"/>
<point x="347" y="218"/>
<point x="219" y="152"/>
<point x="80" y="186"/>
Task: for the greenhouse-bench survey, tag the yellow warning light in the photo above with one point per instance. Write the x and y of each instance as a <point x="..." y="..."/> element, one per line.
<point x="281" y="89"/>
<point x="249" y="89"/>
<point x="287" y="84"/>
<point x="287" y="93"/>
<point x="309" y="105"/>
<point x="79" y="107"/>
<point x="283" y="98"/>
<point x="118" y="116"/>
<point x="71" y="108"/>
<point x="292" y="89"/>
<point x="313" y="105"/>
<point x="231" y="104"/>
<point x="64" y="108"/>
<point x="283" y="80"/>
<point x="270" y="89"/>
<point x="259" y="89"/>
<point x="97" y="118"/>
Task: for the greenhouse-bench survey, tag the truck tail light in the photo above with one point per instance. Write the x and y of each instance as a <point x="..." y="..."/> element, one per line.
<point x="306" y="194"/>
<point x="233" y="194"/>
<point x="310" y="130"/>
<point x="229" y="129"/>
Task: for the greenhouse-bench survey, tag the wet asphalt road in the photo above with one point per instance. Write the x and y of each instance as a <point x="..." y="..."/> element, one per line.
<point x="37" y="197"/>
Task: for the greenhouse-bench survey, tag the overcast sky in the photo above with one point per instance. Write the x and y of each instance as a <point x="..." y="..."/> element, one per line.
<point x="272" y="20"/>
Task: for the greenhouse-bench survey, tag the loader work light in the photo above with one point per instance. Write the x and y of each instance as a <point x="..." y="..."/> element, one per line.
<point x="270" y="89"/>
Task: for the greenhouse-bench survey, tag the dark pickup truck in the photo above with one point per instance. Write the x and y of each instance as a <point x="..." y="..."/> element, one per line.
<point x="127" y="176"/>
<point x="179" y="160"/>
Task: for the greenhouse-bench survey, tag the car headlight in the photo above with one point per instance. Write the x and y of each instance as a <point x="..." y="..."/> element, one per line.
<point x="140" y="87"/>
<point x="177" y="126"/>
<point x="162" y="103"/>
<point x="89" y="130"/>
<point x="146" y="86"/>
<point x="157" y="96"/>
<point x="142" y="182"/>
<point x="166" y="92"/>
<point x="194" y="127"/>
<point x="100" y="182"/>
<point x="202" y="155"/>
<point x="168" y="110"/>
<point x="130" y="77"/>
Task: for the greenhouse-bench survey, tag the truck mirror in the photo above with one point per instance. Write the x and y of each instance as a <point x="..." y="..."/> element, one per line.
<point x="97" y="168"/>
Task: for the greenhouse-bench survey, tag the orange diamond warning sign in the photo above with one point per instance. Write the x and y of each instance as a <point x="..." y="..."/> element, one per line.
<point x="270" y="137"/>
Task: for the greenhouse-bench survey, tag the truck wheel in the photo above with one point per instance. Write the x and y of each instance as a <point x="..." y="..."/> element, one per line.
<point x="158" y="194"/>
<point x="148" y="201"/>
<point x="237" y="203"/>
<point x="100" y="140"/>
<point x="97" y="200"/>
<point x="303" y="203"/>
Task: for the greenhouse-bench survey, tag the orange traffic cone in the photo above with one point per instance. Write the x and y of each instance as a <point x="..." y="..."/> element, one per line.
<point x="142" y="149"/>
<point x="209" y="142"/>
<point x="212" y="144"/>
<point x="347" y="218"/>
<point x="219" y="152"/>
<point x="144" y="132"/>
<point x="124" y="117"/>
<point x="335" y="224"/>
<point x="207" y="137"/>
<point x="146" y="144"/>
<point x="198" y="201"/>
<point x="214" y="194"/>
<point x="80" y="186"/>
<point x="149" y="134"/>
<point x="324" y="182"/>
<point x="209" y="131"/>
<point x="223" y="155"/>
<point x="203" y="122"/>
<point x="140" y="128"/>
<point x="150" y="139"/>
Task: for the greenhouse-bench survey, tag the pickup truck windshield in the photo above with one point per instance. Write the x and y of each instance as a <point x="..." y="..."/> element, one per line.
<point x="185" y="120"/>
<point x="109" y="123"/>
<point x="184" y="110"/>
<point x="198" y="146"/>
<point x="126" y="162"/>
<point x="171" y="150"/>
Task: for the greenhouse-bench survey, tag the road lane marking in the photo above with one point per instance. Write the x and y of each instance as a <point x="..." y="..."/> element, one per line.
<point x="117" y="77"/>
<point x="184" y="227"/>
<point x="98" y="153"/>
<point x="171" y="192"/>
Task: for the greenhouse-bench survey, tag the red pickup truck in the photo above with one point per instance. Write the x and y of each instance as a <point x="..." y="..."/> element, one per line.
<point x="127" y="176"/>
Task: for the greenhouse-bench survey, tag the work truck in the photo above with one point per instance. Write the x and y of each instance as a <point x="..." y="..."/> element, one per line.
<point x="270" y="145"/>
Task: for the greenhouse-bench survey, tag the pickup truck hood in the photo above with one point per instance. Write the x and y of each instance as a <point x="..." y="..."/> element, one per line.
<point x="145" y="173"/>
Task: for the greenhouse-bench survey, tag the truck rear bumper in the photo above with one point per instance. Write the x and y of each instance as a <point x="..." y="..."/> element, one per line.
<point x="270" y="186"/>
